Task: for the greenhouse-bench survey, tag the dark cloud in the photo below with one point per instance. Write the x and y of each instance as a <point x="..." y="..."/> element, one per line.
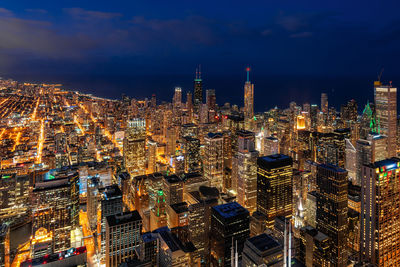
<point x="81" y="13"/>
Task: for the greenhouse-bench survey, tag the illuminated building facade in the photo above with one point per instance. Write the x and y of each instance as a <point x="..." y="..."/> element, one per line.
<point x="54" y="200"/>
<point x="386" y="114"/>
<point x="199" y="220"/>
<point x="332" y="210"/>
<point x="173" y="189"/>
<point x="246" y="164"/>
<point x="198" y="91"/>
<point x="300" y="122"/>
<point x="271" y="146"/>
<point x="314" y="247"/>
<point x="135" y="147"/>
<point x="151" y="156"/>
<point x="380" y="213"/>
<point x="229" y="225"/>
<point x="248" y="98"/>
<point x="324" y="103"/>
<point x="158" y="214"/>
<point x="122" y="237"/>
<point x="111" y="204"/>
<point x="177" y="100"/>
<point x="192" y="154"/>
<point x="213" y="161"/>
<point x="4" y="245"/>
<point x="274" y="187"/>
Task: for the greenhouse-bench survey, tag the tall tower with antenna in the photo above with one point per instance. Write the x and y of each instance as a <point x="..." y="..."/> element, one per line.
<point x="248" y="97"/>
<point x="198" y="90"/>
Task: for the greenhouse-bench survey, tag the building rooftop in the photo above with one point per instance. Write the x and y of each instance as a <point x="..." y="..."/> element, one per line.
<point x="214" y="135"/>
<point x="389" y="164"/>
<point x="231" y="209"/>
<point x="333" y="168"/>
<point x="180" y="207"/>
<point x="112" y="192"/>
<point x="263" y="242"/>
<point x="274" y="161"/>
<point x="122" y="218"/>
<point x="173" y="179"/>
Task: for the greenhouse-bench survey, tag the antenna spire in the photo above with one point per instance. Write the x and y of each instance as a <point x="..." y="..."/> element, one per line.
<point x="199" y="71"/>
<point x="248" y="73"/>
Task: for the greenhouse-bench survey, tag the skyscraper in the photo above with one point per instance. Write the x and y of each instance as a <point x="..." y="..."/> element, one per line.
<point x="111" y="204"/>
<point x="386" y="114"/>
<point x="248" y="97"/>
<point x="198" y="90"/>
<point x="211" y="99"/>
<point x="274" y="187"/>
<point x="135" y="147"/>
<point x="177" y="100"/>
<point x="324" y="103"/>
<point x="230" y="227"/>
<point x="246" y="164"/>
<point x="213" y="162"/>
<point x="380" y="213"/>
<point x="332" y="210"/>
<point x="54" y="209"/>
<point x="123" y="232"/>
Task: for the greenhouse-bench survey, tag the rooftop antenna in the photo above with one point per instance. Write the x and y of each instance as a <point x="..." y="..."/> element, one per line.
<point x="248" y="73"/>
<point x="380" y="74"/>
<point x="199" y="71"/>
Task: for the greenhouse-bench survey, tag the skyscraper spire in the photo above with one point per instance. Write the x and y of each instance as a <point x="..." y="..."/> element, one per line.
<point x="248" y="73"/>
<point x="200" y="71"/>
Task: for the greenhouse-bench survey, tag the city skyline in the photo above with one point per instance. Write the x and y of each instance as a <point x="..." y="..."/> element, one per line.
<point x="201" y="134"/>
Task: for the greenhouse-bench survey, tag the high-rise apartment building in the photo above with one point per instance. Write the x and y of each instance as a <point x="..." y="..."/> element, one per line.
<point x="274" y="187"/>
<point x="386" y="114"/>
<point x="380" y="213"/>
<point x="135" y="147"/>
<point x="331" y="214"/>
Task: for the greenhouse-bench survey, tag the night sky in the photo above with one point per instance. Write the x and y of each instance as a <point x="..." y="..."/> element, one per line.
<point x="296" y="49"/>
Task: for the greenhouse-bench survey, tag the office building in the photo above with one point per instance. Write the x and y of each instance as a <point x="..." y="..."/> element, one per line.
<point x="213" y="161"/>
<point x="248" y="98"/>
<point x="111" y="204"/>
<point x="135" y="147"/>
<point x="123" y="232"/>
<point x="274" y="187"/>
<point x="55" y="202"/>
<point x="5" y="245"/>
<point x="198" y="91"/>
<point x="380" y="213"/>
<point x="331" y="214"/>
<point x="324" y="103"/>
<point x="246" y="171"/>
<point x="262" y="250"/>
<point x="314" y="247"/>
<point x="386" y="114"/>
<point x="229" y="226"/>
